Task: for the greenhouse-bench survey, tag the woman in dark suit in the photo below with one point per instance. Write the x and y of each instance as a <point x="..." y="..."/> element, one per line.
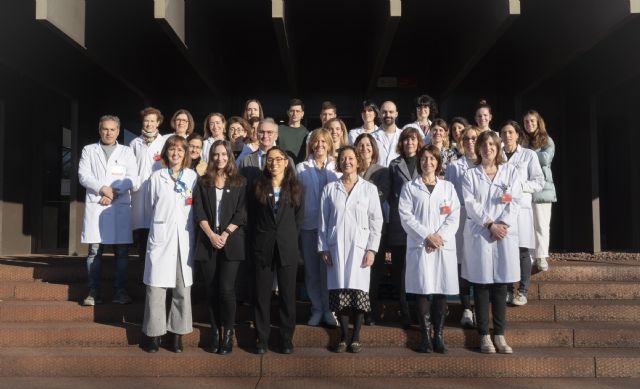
<point x="219" y="202"/>
<point x="278" y="215"/>
<point x="401" y="170"/>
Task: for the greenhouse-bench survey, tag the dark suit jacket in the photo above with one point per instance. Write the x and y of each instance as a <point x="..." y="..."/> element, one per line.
<point x="398" y="175"/>
<point x="281" y="229"/>
<point x="232" y="211"/>
<point x="379" y="176"/>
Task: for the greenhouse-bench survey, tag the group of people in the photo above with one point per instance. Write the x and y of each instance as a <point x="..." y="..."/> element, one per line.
<point x="457" y="208"/>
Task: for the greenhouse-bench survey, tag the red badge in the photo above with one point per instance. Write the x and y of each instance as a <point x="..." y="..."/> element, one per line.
<point x="445" y="210"/>
<point x="506" y="198"/>
<point x="189" y="201"/>
<point x="157" y="157"/>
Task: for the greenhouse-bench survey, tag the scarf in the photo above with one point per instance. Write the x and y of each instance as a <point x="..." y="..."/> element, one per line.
<point x="149" y="137"/>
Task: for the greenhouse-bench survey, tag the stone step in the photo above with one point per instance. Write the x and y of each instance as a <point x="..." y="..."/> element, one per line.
<point x="519" y="335"/>
<point x="317" y="362"/>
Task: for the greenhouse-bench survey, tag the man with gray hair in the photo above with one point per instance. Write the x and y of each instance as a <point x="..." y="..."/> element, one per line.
<point x="108" y="171"/>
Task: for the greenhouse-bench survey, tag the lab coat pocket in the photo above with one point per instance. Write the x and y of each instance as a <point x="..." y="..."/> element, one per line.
<point x="157" y="233"/>
<point x="362" y="237"/>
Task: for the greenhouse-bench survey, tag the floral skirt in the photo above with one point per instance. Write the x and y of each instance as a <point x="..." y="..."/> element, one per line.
<point x="349" y="298"/>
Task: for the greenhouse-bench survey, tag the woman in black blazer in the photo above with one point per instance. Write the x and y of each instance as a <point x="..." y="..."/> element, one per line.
<point x="220" y="214"/>
<point x="278" y="216"/>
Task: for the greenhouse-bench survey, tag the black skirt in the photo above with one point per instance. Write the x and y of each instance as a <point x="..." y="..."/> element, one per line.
<point x="349" y="298"/>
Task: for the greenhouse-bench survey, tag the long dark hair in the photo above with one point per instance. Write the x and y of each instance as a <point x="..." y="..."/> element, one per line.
<point x="291" y="190"/>
<point x="230" y="170"/>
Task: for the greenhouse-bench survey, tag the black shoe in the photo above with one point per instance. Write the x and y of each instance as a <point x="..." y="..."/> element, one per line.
<point x="176" y="347"/>
<point x="227" y="342"/>
<point x="369" y="319"/>
<point x="215" y="341"/>
<point x="287" y="347"/>
<point x="152" y="344"/>
<point x="261" y="349"/>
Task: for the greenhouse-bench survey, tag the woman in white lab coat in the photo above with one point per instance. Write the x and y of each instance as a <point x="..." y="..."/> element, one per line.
<point x="532" y="181"/>
<point x="182" y="123"/>
<point x="454" y="174"/>
<point x="169" y="260"/>
<point x="491" y="192"/>
<point x="429" y="212"/>
<point x="214" y="129"/>
<point x="314" y="173"/>
<point x="147" y="148"/>
<point x="348" y="239"/>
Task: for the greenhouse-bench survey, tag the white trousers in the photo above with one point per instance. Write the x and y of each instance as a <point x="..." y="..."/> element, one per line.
<point x="541" y="224"/>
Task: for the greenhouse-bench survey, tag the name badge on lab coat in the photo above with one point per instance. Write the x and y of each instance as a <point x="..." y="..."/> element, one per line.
<point x="118" y="171"/>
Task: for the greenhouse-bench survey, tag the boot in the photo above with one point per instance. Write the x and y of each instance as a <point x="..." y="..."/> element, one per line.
<point x="152" y="344"/>
<point x="501" y="345"/>
<point x="439" y="314"/>
<point x="215" y="340"/>
<point x="227" y="342"/>
<point x="425" y="331"/>
<point x="177" y="343"/>
<point x="486" y="345"/>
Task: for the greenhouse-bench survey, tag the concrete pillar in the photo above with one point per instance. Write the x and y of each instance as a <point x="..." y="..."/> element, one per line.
<point x="2" y="156"/>
<point x="67" y="16"/>
<point x="76" y="206"/>
<point x="172" y="11"/>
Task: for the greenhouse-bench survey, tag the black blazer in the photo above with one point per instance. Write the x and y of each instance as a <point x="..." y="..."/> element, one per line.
<point x="232" y="211"/>
<point x="281" y="229"/>
<point x="398" y="176"/>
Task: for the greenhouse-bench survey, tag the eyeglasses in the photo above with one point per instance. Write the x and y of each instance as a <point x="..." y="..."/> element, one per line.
<point x="275" y="160"/>
<point x="467" y="139"/>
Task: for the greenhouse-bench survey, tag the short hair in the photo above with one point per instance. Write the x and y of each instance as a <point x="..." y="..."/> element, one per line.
<point x="246" y="104"/>
<point x="245" y="125"/>
<point x="345" y="138"/>
<point x="441" y="123"/>
<point x="429" y="101"/>
<point x="206" y="132"/>
<point x="516" y="126"/>
<point x="176" y="140"/>
<point x="191" y="125"/>
<point x="435" y="151"/>
<point x="105" y="118"/>
<point x="407" y="133"/>
<point x="152" y="111"/>
<point x="321" y="133"/>
<point x="268" y="120"/>
<point x="374" y="145"/>
<point x="294" y="102"/>
<point x="195" y="135"/>
<point x="539" y="138"/>
<point x="342" y="150"/>
<point x="328" y="105"/>
<point x="484" y="138"/>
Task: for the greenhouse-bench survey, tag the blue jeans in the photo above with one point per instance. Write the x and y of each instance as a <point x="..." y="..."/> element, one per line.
<point x="94" y="264"/>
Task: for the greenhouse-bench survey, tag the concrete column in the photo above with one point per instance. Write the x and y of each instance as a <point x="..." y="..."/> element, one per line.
<point x="595" y="179"/>
<point x="76" y="207"/>
<point x="172" y="11"/>
<point x="2" y="156"/>
<point x="66" y="16"/>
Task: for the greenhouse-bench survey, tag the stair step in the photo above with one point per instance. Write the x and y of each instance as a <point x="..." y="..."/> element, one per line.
<point x="315" y="362"/>
<point x="588" y="290"/>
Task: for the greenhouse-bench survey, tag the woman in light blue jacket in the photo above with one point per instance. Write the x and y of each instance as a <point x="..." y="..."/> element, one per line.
<point x="539" y="141"/>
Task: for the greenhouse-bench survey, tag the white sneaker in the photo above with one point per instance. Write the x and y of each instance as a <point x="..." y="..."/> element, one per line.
<point x="519" y="299"/>
<point x="467" y="319"/>
<point x="486" y="345"/>
<point x="509" y="297"/>
<point x="542" y="264"/>
<point x="315" y="319"/>
<point x="501" y="345"/>
<point x="330" y="319"/>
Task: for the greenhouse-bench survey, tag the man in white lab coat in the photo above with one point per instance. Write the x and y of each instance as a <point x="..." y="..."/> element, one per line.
<point x="388" y="134"/>
<point x="108" y="171"/>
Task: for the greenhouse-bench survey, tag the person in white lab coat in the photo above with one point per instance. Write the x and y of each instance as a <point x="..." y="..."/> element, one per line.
<point x="370" y="115"/>
<point x="182" y="123"/>
<point x="349" y="233"/>
<point x="532" y="181"/>
<point x="430" y="212"/>
<point x="146" y="148"/>
<point x="108" y="171"/>
<point x="169" y="260"/>
<point x="426" y="110"/>
<point x="388" y="135"/>
<point x="314" y="173"/>
<point x="491" y="192"/>
<point x="440" y="138"/>
<point x="454" y="174"/>
<point x="214" y="129"/>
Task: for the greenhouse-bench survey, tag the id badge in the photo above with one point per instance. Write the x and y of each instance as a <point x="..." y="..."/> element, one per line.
<point x="157" y="157"/>
<point x="118" y="171"/>
<point x="445" y="208"/>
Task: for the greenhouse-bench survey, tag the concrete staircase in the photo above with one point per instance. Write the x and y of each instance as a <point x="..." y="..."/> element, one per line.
<point x="582" y="321"/>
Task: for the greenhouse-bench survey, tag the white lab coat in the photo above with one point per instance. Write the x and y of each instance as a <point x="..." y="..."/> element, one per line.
<point x="532" y="180"/>
<point x="354" y="133"/>
<point x="107" y="224"/>
<point x="349" y="225"/>
<point x="172" y="229"/>
<point x="308" y="177"/>
<point x="454" y="174"/>
<point x="146" y="159"/>
<point x="421" y="215"/>
<point x="487" y="261"/>
<point x="386" y="147"/>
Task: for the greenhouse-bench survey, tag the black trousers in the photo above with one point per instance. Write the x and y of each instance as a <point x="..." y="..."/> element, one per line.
<point x="398" y="270"/>
<point x="496" y="295"/>
<point x="220" y="278"/>
<point x="465" y="290"/>
<point x="140" y="237"/>
<point x="378" y="271"/>
<point x="286" y="293"/>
